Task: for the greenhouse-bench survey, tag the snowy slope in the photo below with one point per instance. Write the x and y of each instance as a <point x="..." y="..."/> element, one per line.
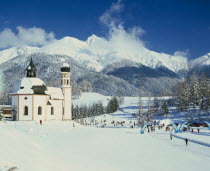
<point x="58" y="146"/>
<point x="96" y="53"/>
<point x="8" y="54"/>
<point x="201" y="61"/>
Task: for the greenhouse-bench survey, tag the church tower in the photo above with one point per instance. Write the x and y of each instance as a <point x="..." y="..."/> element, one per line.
<point x="67" y="91"/>
<point x="31" y="69"/>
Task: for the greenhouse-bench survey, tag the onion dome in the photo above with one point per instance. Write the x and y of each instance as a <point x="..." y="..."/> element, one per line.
<point x="65" y="67"/>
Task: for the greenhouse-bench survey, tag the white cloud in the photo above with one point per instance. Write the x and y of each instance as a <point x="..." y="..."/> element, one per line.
<point x="129" y="41"/>
<point x="25" y="36"/>
<point x="126" y="41"/>
<point x="184" y="53"/>
<point x="111" y="16"/>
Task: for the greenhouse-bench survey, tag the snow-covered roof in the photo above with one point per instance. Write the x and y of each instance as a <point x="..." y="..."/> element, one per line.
<point x="24" y="85"/>
<point x="55" y="92"/>
<point x="65" y="65"/>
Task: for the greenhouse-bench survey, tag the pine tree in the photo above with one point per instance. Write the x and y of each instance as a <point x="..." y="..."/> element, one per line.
<point x="164" y="108"/>
<point x="183" y="96"/>
<point x="155" y="105"/>
<point x="112" y="105"/>
<point x="203" y="92"/>
<point x="195" y="90"/>
<point x="77" y="113"/>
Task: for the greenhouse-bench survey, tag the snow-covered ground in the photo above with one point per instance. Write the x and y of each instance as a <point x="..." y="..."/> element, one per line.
<point x="57" y="145"/>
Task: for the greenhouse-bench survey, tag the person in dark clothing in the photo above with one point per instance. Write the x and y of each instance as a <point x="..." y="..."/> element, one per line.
<point x="198" y="130"/>
<point x="171" y="136"/>
<point x="186" y="141"/>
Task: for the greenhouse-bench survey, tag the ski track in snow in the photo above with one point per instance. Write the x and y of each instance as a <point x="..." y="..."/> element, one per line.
<point x="198" y="150"/>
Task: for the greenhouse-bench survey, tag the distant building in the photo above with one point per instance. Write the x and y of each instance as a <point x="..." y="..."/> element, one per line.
<point x="33" y="100"/>
<point x="6" y="111"/>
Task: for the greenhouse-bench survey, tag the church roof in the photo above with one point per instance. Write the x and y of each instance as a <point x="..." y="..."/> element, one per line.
<point x="55" y="93"/>
<point x="29" y="85"/>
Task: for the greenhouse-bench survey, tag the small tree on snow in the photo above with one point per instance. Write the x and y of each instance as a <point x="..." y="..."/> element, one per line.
<point x="164" y="108"/>
<point x="195" y="90"/>
<point x="155" y="105"/>
<point x="112" y="105"/>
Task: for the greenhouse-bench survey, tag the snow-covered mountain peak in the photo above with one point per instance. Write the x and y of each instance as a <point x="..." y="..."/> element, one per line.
<point x="26" y="50"/>
<point x="203" y="60"/>
<point x="98" y="52"/>
<point x="92" y="39"/>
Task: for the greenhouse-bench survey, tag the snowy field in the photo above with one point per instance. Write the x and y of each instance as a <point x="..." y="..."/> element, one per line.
<point x="58" y="146"/>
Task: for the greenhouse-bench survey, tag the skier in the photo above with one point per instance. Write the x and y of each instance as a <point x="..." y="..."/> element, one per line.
<point x="198" y="130"/>
<point x="192" y="130"/>
<point x="186" y="141"/>
<point x="171" y="136"/>
<point x="40" y="122"/>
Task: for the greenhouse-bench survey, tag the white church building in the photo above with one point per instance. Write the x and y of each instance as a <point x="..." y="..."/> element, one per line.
<point x="33" y="100"/>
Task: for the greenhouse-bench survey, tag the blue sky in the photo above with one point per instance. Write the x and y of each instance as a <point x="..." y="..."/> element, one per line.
<point x="168" y="25"/>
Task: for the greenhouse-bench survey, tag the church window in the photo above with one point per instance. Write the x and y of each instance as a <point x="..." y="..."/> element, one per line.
<point x="61" y="82"/>
<point x="52" y="110"/>
<point x="26" y="110"/>
<point x="64" y="82"/>
<point x="39" y="110"/>
<point x="67" y="82"/>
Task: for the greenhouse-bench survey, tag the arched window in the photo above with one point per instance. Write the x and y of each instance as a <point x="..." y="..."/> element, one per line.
<point x="26" y="110"/>
<point x="52" y="110"/>
<point x="67" y="82"/>
<point x="61" y="82"/>
<point x="39" y="110"/>
<point x="64" y="82"/>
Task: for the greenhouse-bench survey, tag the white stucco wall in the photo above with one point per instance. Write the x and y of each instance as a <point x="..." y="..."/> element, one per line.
<point x="67" y="91"/>
<point x="57" y="105"/>
<point x="40" y="100"/>
<point x="22" y="103"/>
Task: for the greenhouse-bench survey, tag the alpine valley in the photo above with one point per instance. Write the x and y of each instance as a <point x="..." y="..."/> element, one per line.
<point x="109" y="69"/>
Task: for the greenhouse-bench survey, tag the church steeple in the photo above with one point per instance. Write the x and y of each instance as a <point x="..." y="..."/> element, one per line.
<point x="31" y="69"/>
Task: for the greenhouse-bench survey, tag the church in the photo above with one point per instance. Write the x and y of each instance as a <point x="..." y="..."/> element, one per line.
<point x="33" y="100"/>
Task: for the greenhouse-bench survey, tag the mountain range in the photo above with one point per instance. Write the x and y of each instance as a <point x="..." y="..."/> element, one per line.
<point x="106" y="66"/>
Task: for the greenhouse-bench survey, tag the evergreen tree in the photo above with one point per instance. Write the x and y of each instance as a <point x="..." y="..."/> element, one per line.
<point x="112" y="105"/>
<point x="155" y="105"/>
<point x="77" y="113"/>
<point x="203" y="92"/>
<point x="164" y="108"/>
<point x="183" y="96"/>
<point x="195" y="90"/>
